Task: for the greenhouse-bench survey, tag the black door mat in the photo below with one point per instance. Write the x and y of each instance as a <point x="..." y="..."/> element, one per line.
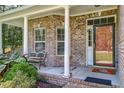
<point x="98" y="80"/>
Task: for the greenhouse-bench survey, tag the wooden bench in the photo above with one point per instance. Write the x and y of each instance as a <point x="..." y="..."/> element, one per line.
<point x="37" y="58"/>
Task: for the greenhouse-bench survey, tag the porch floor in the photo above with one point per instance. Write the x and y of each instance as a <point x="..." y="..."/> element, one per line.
<point x="80" y="73"/>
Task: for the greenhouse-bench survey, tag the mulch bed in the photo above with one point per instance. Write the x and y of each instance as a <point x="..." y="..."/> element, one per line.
<point x="42" y="84"/>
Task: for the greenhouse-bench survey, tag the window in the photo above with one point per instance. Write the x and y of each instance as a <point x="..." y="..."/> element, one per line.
<point x="60" y="40"/>
<point x="97" y="21"/>
<point x="39" y="39"/>
<point x="103" y="20"/>
<point x="89" y="37"/>
<point x="100" y="21"/>
<point x="111" y="19"/>
<point x="90" y="22"/>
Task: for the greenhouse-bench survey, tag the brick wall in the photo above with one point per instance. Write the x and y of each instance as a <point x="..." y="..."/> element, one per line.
<point x="121" y="45"/>
<point x="78" y="36"/>
<point x="50" y="23"/>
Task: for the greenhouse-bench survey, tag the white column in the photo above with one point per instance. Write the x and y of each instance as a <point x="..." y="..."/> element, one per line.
<point x="25" y="36"/>
<point x="1" y="49"/>
<point x="67" y="44"/>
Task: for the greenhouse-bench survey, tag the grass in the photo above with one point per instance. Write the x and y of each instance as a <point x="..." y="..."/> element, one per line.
<point x="104" y="56"/>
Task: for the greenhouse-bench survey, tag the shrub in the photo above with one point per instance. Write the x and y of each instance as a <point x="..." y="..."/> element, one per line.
<point x="1" y="61"/>
<point x="20" y="80"/>
<point x="1" y="77"/>
<point x="6" y="61"/>
<point x="7" y="84"/>
<point x="20" y="60"/>
<point x="41" y="78"/>
<point x="26" y="68"/>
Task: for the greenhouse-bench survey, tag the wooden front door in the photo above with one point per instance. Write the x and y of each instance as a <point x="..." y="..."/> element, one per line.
<point x="104" y="45"/>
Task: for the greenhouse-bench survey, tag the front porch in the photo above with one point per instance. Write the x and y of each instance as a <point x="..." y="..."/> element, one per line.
<point x="68" y="56"/>
<point x="79" y="73"/>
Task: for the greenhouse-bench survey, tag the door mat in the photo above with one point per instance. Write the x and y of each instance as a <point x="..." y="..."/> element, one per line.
<point x="103" y="64"/>
<point x="98" y="80"/>
<point x="104" y="70"/>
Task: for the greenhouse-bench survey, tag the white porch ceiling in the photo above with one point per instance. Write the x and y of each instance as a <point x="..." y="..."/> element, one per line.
<point x="84" y="9"/>
<point x="16" y="22"/>
<point x="54" y="12"/>
<point x="74" y="10"/>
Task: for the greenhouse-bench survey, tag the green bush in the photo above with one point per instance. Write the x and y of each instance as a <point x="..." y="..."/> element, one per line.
<point x="1" y="61"/>
<point x="20" y="60"/>
<point x="7" y="84"/>
<point x="6" y="61"/>
<point x="20" y="80"/>
<point x="26" y="68"/>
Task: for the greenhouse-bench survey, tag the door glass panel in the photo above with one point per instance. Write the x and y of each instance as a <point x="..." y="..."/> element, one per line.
<point x="90" y="22"/>
<point x="103" y="46"/>
<point x="89" y="37"/>
<point x="97" y="21"/>
<point x="111" y="20"/>
<point x="103" y="20"/>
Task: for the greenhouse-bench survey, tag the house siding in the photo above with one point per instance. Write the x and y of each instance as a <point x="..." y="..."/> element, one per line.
<point x="78" y="36"/>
